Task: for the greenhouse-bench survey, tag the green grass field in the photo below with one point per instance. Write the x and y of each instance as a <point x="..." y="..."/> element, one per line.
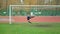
<point x="26" y="28"/>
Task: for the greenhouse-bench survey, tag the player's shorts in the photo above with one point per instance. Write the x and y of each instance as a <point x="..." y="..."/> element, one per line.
<point x="28" y="18"/>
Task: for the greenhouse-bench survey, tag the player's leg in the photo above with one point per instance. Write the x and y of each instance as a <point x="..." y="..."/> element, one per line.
<point x="29" y="21"/>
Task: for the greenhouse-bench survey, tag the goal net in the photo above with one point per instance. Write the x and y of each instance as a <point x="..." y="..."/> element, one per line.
<point x="33" y="10"/>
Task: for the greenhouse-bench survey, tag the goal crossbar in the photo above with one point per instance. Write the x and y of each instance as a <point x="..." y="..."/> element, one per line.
<point x="38" y="5"/>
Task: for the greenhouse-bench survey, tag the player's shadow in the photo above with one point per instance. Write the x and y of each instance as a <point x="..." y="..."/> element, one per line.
<point x="42" y="25"/>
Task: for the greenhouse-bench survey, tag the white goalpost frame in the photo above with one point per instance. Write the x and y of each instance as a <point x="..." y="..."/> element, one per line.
<point x="10" y="14"/>
<point x="10" y="9"/>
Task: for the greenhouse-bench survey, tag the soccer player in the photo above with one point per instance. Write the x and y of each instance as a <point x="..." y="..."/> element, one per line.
<point x="29" y="17"/>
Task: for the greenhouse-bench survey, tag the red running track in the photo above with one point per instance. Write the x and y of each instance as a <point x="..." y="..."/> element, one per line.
<point x="35" y="19"/>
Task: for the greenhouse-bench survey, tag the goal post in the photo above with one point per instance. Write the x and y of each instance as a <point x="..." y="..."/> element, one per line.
<point x="28" y="8"/>
<point x="10" y="15"/>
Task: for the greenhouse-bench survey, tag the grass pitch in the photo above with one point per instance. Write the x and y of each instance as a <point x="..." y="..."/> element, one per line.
<point x="26" y="28"/>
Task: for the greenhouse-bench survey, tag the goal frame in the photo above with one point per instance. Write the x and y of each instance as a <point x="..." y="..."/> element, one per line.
<point x="10" y="9"/>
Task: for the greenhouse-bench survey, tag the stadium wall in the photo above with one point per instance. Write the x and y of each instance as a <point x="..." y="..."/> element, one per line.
<point x="22" y="19"/>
